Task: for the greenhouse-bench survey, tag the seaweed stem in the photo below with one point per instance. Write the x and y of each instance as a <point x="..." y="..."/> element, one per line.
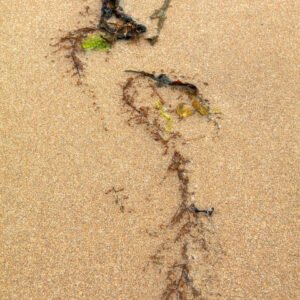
<point x="159" y="14"/>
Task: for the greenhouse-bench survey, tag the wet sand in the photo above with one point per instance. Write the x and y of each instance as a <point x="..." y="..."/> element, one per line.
<point x="61" y="150"/>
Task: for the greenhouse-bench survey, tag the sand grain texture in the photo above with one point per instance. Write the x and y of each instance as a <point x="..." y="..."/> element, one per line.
<point x="62" y="237"/>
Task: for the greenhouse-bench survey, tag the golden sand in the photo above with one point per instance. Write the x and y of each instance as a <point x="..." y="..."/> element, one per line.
<point x="63" y="237"/>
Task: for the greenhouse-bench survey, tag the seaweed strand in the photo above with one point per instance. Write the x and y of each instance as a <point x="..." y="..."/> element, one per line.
<point x="159" y="14"/>
<point x="185" y="223"/>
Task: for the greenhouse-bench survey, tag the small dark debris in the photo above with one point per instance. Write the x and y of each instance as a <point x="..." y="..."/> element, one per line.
<point x="207" y="212"/>
<point x="118" y="199"/>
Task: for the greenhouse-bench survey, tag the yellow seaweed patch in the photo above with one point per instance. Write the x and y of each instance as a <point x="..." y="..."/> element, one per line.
<point x="162" y="111"/>
<point x="216" y="111"/>
<point x="200" y="108"/>
<point x="183" y="110"/>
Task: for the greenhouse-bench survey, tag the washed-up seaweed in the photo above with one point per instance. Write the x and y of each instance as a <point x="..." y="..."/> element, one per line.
<point x="72" y="43"/>
<point x="163" y="127"/>
<point x="180" y="284"/>
<point x="168" y="118"/>
<point x="178" y="164"/>
<point x="140" y="114"/>
<point x="126" y="28"/>
<point x="159" y="14"/>
<point x="100" y="37"/>
<point x="95" y="42"/>
<point x="164" y="80"/>
<point x="185" y="226"/>
<point x="188" y="228"/>
<point x="183" y="110"/>
<point x="199" y="104"/>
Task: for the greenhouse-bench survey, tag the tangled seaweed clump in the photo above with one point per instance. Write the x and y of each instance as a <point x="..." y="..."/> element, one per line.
<point x="164" y="119"/>
<point x="125" y="28"/>
<point x="99" y="37"/>
<point x="199" y="104"/>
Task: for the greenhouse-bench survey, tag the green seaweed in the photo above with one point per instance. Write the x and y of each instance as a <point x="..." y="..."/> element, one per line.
<point x="95" y="42"/>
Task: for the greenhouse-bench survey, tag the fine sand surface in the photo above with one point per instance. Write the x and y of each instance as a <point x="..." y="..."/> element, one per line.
<point x="62" y="237"/>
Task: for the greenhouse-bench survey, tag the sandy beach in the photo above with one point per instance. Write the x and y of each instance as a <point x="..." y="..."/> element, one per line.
<point x="87" y="197"/>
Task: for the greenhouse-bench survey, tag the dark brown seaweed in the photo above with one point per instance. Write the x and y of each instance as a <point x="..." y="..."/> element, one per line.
<point x="127" y="28"/>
